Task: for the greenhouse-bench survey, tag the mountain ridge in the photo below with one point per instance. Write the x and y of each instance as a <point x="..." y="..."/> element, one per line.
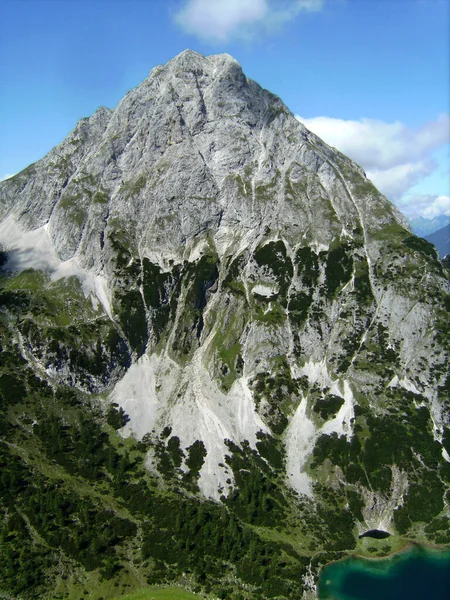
<point x="193" y="109"/>
<point x="422" y="227"/>
<point x="441" y="240"/>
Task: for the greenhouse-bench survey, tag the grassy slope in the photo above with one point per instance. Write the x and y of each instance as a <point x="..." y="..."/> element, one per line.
<point x="159" y="594"/>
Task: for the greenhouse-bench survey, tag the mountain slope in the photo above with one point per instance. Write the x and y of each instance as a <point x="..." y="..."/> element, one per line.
<point x="262" y="314"/>
<point x="423" y="227"/>
<point x="440" y="239"/>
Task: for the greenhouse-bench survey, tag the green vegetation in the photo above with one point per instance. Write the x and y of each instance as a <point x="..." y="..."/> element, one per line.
<point x="73" y="208"/>
<point x="79" y="506"/>
<point x="231" y="281"/>
<point x="358" y="184"/>
<point x="328" y="406"/>
<point x="197" y="279"/>
<point x="195" y="459"/>
<point x="362" y="285"/>
<point x="84" y="498"/>
<point x="272" y="256"/>
<point x="276" y="394"/>
<point x="274" y="267"/>
<point x="116" y="418"/>
<point x="93" y="349"/>
<point x="299" y="305"/>
<point x="133" y="188"/>
<point x="101" y="196"/>
<point x="37" y="496"/>
<point x="258" y="498"/>
<point x="421" y="245"/>
<point x="308" y="266"/>
<point x="273" y="315"/>
<point x="386" y="440"/>
<point x="128" y="299"/>
<point x="160" y="294"/>
<point x="153" y="593"/>
<point x="338" y="269"/>
<point x="377" y="354"/>
<point x="439" y="530"/>
<point x="120" y="243"/>
<point x="273" y="112"/>
<point x="131" y="312"/>
<point x="263" y="193"/>
<point x="73" y="494"/>
<point x="60" y="326"/>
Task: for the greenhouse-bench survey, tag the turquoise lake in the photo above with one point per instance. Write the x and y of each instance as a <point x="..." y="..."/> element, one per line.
<point x="417" y="573"/>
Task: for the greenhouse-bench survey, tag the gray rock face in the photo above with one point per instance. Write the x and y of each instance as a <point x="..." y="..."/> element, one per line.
<point x="255" y="273"/>
<point x="196" y="147"/>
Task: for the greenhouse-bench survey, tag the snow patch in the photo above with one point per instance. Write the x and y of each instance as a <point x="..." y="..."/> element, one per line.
<point x="34" y="250"/>
<point x="265" y="290"/>
<point x="27" y="249"/>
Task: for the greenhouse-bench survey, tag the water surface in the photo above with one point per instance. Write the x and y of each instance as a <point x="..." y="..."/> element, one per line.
<point x="417" y="573"/>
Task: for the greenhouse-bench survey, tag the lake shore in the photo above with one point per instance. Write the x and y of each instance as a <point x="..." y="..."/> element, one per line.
<point x="401" y="567"/>
<point x="408" y="545"/>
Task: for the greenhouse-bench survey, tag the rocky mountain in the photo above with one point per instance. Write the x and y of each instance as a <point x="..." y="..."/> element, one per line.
<point x="199" y="272"/>
<point x="423" y="227"/>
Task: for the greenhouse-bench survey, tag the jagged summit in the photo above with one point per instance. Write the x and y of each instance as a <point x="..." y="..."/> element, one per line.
<point x="190" y="58"/>
<point x="198" y="140"/>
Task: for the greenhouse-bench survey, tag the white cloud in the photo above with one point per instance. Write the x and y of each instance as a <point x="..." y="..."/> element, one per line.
<point x="379" y="145"/>
<point x="6" y="176"/>
<point x="394" y="156"/>
<point x="219" y="20"/>
<point x="394" y="182"/>
<point x="425" y="205"/>
<point x="282" y="12"/>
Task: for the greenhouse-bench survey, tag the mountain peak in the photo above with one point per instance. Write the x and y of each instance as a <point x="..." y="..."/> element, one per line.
<point x="200" y="136"/>
<point x="188" y="57"/>
<point x="190" y="61"/>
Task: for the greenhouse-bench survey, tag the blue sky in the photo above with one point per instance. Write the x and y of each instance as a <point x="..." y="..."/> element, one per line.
<point x="369" y="76"/>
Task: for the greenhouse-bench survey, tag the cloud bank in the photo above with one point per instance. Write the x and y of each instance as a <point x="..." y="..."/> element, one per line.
<point x="379" y="145"/>
<point x="6" y="176"/>
<point x="425" y="205"/>
<point x="220" y="20"/>
<point x="394" y="156"/>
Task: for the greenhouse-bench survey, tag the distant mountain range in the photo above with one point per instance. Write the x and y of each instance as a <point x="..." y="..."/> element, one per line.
<point x="423" y="227"/>
<point x="441" y="239"/>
